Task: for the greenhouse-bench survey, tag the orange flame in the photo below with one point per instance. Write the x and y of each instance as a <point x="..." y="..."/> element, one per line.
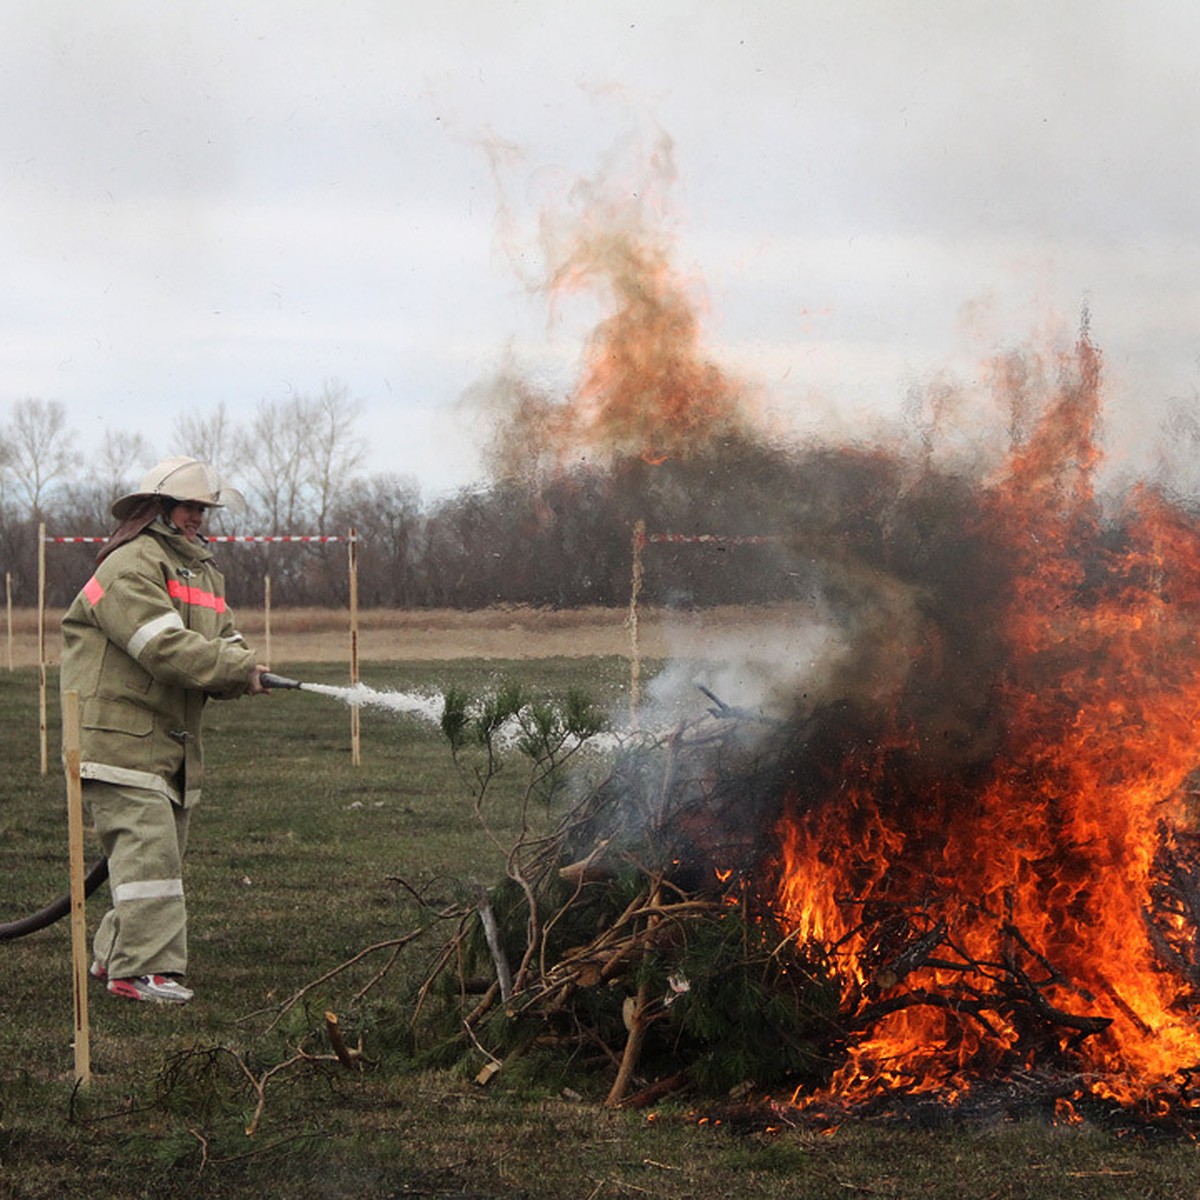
<point x="646" y="389"/>
<point x="1040" y="863"/>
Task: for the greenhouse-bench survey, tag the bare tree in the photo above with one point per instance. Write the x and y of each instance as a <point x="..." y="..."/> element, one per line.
<point x="274" y="454"/>
<point x="336" y="450"/>
<point x="113" y="471"/>
<point x="386" y="511"/>
<point x="6" y="458"/>
<point x="213" y="439"/>
<point x="39" y="452"/>
<point x="298" y="455"/>
<point x="123" y="459"/>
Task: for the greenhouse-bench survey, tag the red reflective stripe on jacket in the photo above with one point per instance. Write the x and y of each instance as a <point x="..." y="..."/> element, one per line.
<point x="93" y="591"/>
<point x="194" y="595"/>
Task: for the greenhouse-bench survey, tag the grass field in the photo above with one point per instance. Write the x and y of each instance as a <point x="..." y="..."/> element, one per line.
<point x="294" y="867"/>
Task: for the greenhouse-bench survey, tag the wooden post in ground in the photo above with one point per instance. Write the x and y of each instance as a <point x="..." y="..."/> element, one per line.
<point x="41" y="636"/>
<point x="8" y="607"/>
<point x="635" y="653"/>
<point x="267" y="619"/>
<point x="79" y="949"/>
<point x="352" y="563"/>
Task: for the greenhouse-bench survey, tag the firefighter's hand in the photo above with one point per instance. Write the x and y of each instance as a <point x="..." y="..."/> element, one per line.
<point x="256" y="684"/>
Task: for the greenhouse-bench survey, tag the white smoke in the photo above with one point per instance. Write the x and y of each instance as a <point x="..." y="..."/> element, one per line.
<point x="755" y="672"/>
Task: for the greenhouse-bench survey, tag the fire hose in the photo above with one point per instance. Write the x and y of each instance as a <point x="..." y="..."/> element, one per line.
<point x="57" y="909"/>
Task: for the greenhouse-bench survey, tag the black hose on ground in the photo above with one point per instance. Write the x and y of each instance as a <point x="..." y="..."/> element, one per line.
<point x="56" y="909"/>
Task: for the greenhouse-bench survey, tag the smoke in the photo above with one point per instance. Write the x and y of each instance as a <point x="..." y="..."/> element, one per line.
<point x="644" y="388"/>
<point x="889" y="554"/>
<point x="755" y="673"/>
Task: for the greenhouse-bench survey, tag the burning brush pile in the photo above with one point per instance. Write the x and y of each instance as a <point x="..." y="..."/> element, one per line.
<point x="964" y="857"/>
<point x="959" y="858"/>
<point x="999" y="854"/>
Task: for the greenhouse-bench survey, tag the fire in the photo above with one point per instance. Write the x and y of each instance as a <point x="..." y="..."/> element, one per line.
<point x="962" y="899"/>
<point x="974" y="838"/>
<point x="646" y="390"/>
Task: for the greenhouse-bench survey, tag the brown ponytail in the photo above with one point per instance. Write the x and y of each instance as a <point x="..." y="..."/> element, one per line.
<point x="143" y="514"/>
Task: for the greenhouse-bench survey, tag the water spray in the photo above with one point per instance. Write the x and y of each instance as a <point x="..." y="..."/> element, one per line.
<point x="428" y="708"/>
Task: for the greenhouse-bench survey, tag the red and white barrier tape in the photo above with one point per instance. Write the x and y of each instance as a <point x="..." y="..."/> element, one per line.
<point x="251" y="537"/>
<point x="226" y="538"/>
<point x="731" y="539"/>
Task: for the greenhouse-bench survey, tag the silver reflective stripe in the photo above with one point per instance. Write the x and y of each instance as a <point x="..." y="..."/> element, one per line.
<point x="148" y="889"/>
<point x="148" y="632"/>
<point x="128" y="777"/>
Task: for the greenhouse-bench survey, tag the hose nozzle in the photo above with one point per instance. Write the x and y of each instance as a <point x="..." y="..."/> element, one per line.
<point x="272" y="682"/>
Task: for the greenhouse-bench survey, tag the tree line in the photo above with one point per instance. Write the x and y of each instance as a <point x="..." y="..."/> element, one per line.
<point x="562" y="541"/>
<point x="769" y="522"/>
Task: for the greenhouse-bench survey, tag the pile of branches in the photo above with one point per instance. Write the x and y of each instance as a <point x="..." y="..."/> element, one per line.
<point x="625" y="948"/>
<point x="631" y="950"/>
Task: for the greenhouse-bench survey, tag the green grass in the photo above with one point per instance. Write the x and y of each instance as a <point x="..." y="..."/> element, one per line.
<point x="293" y="867"/>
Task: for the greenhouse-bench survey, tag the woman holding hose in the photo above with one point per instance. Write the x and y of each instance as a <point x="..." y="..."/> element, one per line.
<point x="146" y="643"/>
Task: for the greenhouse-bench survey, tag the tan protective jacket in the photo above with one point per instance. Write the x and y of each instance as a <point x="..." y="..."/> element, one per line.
<point x="145" y="643"/>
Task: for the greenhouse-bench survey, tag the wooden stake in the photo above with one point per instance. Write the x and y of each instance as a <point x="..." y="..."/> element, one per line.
<point x="8" y="605"/>
<point x="79" y="949"/>
<point x="355" y="743"/>
<point x="41" y="633"/>
<point x="635" y="653"/>
<point x="267" y="619"/>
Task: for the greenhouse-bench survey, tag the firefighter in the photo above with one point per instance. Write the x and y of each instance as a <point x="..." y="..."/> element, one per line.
<point x="146" y="643"/>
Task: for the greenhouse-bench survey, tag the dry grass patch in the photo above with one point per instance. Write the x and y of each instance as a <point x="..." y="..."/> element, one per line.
<point x="516" y="632"/>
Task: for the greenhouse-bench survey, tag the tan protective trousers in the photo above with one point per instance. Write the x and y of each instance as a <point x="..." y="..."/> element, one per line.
<point x="144" y="837"/>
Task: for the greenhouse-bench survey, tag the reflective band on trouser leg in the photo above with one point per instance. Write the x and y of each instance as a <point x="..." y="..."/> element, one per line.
<point x="143" y="835"/>
<point x="148" y="889"/>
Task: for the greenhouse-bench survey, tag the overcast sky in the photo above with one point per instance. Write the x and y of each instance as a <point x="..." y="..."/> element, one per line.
<point x="243" y="201"/>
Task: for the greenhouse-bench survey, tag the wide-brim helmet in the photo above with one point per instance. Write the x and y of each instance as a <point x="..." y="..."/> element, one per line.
<point x="181" y="478"/>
